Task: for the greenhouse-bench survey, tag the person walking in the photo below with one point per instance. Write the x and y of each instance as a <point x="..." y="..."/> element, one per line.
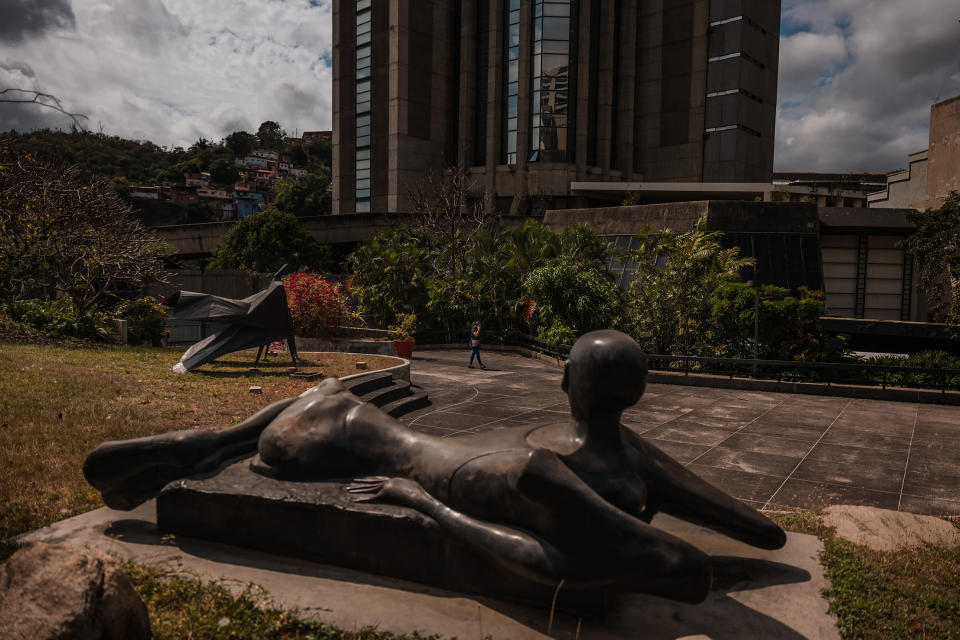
<point x="475" y="346"/>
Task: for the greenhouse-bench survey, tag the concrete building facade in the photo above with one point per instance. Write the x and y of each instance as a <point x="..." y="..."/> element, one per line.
<point x="931" y="174"/>
<point x="533" y="95"/>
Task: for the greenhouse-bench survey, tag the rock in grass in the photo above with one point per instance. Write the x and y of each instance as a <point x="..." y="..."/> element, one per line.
<point x="886" y="530"/>
<point x="57" y="591"/>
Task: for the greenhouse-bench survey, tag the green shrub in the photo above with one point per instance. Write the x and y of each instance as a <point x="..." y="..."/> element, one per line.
<point x="60" y="319"/>
<point x="145" y="319"/>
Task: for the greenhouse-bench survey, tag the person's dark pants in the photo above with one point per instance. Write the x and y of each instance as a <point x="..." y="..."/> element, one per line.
<point x="475" y="352"/>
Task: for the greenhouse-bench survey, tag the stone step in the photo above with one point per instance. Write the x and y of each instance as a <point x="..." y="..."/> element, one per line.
<point x="416" y="400"/>
<point x="385" y="395"/>
<point x="369" y="384"/>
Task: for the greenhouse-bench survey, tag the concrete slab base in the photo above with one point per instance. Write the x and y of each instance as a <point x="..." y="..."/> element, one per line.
<point x="756" y="594"/>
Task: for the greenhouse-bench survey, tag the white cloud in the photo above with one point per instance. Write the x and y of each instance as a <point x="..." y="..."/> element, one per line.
<point x="172" y="71"/>
<point x="858" y="78"/>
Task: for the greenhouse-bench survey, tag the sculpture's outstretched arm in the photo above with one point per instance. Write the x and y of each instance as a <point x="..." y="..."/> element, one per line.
<point x="647" y="560"/>
<point x="130" y="472"/>
<point x="675" y="490"/>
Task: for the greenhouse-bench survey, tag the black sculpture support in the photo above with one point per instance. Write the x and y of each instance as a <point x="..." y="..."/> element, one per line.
<point x="570" y="501"/>
<point x="255" y="321"/>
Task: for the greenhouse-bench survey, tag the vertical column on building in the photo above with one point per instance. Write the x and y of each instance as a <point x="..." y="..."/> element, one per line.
<point x="605" y="80"/>
<point x="363" y="91"/>
<point x="495" y="81"/>
<point x="627" y="80"/>
<point x="344" y="106"/>
<point x="584" y="80"/>
<point x="468" y="83"/>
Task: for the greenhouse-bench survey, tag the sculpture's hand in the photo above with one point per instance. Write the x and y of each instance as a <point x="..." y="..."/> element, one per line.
<point x="401" y="491"/>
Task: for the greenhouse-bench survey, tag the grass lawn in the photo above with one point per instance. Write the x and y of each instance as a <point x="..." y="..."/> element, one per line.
<point x="886" y="594"/>
<point x="58" y="402"/>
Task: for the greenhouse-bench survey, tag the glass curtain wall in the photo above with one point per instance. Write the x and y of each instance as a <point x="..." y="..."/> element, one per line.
<point x="551" y="92"/>
<point x="512" y="76"/>
<point x="364" y="17"/>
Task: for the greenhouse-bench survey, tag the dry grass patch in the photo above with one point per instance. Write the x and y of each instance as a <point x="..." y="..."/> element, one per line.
<point x="60" y="401"/>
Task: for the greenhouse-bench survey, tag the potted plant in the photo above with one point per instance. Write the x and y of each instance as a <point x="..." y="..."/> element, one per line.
<point x="402" y="334"/>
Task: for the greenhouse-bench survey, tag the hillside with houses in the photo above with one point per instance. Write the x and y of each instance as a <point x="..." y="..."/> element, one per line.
<point x="207" y="182"/>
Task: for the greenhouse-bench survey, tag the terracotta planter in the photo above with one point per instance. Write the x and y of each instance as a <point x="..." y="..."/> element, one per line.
<point x="403" y="348"/>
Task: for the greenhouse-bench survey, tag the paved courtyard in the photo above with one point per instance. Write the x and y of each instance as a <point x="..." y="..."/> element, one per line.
<point x="771" y="450"/>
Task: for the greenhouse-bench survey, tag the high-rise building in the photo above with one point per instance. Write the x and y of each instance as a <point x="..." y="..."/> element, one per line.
<point x="533" y="95"/>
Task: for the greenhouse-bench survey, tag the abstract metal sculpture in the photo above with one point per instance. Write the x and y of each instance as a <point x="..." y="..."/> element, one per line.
<point x="565" y="502"/>
<point x="252" y="322"/>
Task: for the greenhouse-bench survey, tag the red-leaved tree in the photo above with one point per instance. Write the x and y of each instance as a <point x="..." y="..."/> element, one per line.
<point x="318" y="306"/>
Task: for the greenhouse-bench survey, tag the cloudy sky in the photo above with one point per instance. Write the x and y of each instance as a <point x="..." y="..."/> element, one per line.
<point x="857" y="77"/>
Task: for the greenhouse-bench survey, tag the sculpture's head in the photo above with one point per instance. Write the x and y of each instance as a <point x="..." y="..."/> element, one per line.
<point x="605" y="373"/>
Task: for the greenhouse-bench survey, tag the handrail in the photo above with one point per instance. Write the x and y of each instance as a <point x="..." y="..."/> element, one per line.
<point x="873" y="374"/>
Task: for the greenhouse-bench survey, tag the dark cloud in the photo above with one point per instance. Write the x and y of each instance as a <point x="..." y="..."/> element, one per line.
<point x="857" y="79"/>
<point x="21" y="19"/>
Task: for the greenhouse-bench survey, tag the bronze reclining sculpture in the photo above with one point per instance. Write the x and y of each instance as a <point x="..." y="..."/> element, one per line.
<point x="570" y="501"/>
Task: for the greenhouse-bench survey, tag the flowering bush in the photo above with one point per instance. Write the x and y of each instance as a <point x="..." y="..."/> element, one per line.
<point x="318" y="306"/>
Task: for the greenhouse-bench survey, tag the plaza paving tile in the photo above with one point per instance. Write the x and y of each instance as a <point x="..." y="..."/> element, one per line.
<point x="770" y="450"/>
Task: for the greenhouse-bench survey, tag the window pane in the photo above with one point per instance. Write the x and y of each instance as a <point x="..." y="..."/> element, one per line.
<point x="513" y="53"/>
<point x="363" y="107"/>
<point x="363" y="154"/>
<point x="363" y="184"/>
<point x="363" y="16"/>
<point x="363" y="4"/>
<point x="363" y="141"/>
<point x="363" y="174"/>
<point x="556" y="46"/>
<point x="556" y="9"/>
<point x="363" y="206"/>
<point x="363" y="131"/>
<point x="514" y="5"/>
<point x="363" y="121"/>
<point x="515" y="16"/>
<point x="363" y="164"/>
<point x="511" y="141"/>
<point x="363" y="97"/>
<point x="363" y="85"/>
<point x="535" y="102"/>
<point x="363" y="38"/>
<point x="556" y="28"/>
<point x="363" y="73"/>
<point x="512" y="107"/>
<point x="511" y="124"/>
<point x="513" y="71"/>
<point x="538" y="28"/>
<point x="363" y="193"/>
<point x="363" y="52"/>
<point x="363" y="28"/>
<point x="536" y="66"/>
<point x="554" y="65"/>
<point x="514" y="35"/>
<point x="363" y="63"/>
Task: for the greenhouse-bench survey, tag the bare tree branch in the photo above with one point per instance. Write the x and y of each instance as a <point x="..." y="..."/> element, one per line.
<point x="44" y="100"/>
<point x="444" y="207"/>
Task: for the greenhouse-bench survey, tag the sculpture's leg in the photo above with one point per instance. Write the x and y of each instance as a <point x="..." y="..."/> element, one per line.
<point x="291" y="343"/>
<point x="130" y="472"/>
<point x="259" y="353"/>
<point x="674" y="489"/>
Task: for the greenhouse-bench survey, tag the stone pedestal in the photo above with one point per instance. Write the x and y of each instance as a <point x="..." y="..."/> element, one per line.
<point x="319" y="521"/>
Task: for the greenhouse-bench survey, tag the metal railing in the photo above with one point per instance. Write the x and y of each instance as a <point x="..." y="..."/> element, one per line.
<point x="780" y="370"/>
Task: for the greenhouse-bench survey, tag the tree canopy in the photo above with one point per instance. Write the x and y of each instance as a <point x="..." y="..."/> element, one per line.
<point x="65" y="234"/>
<point x="267" y="240"/>
<point x="936" y="246"/>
